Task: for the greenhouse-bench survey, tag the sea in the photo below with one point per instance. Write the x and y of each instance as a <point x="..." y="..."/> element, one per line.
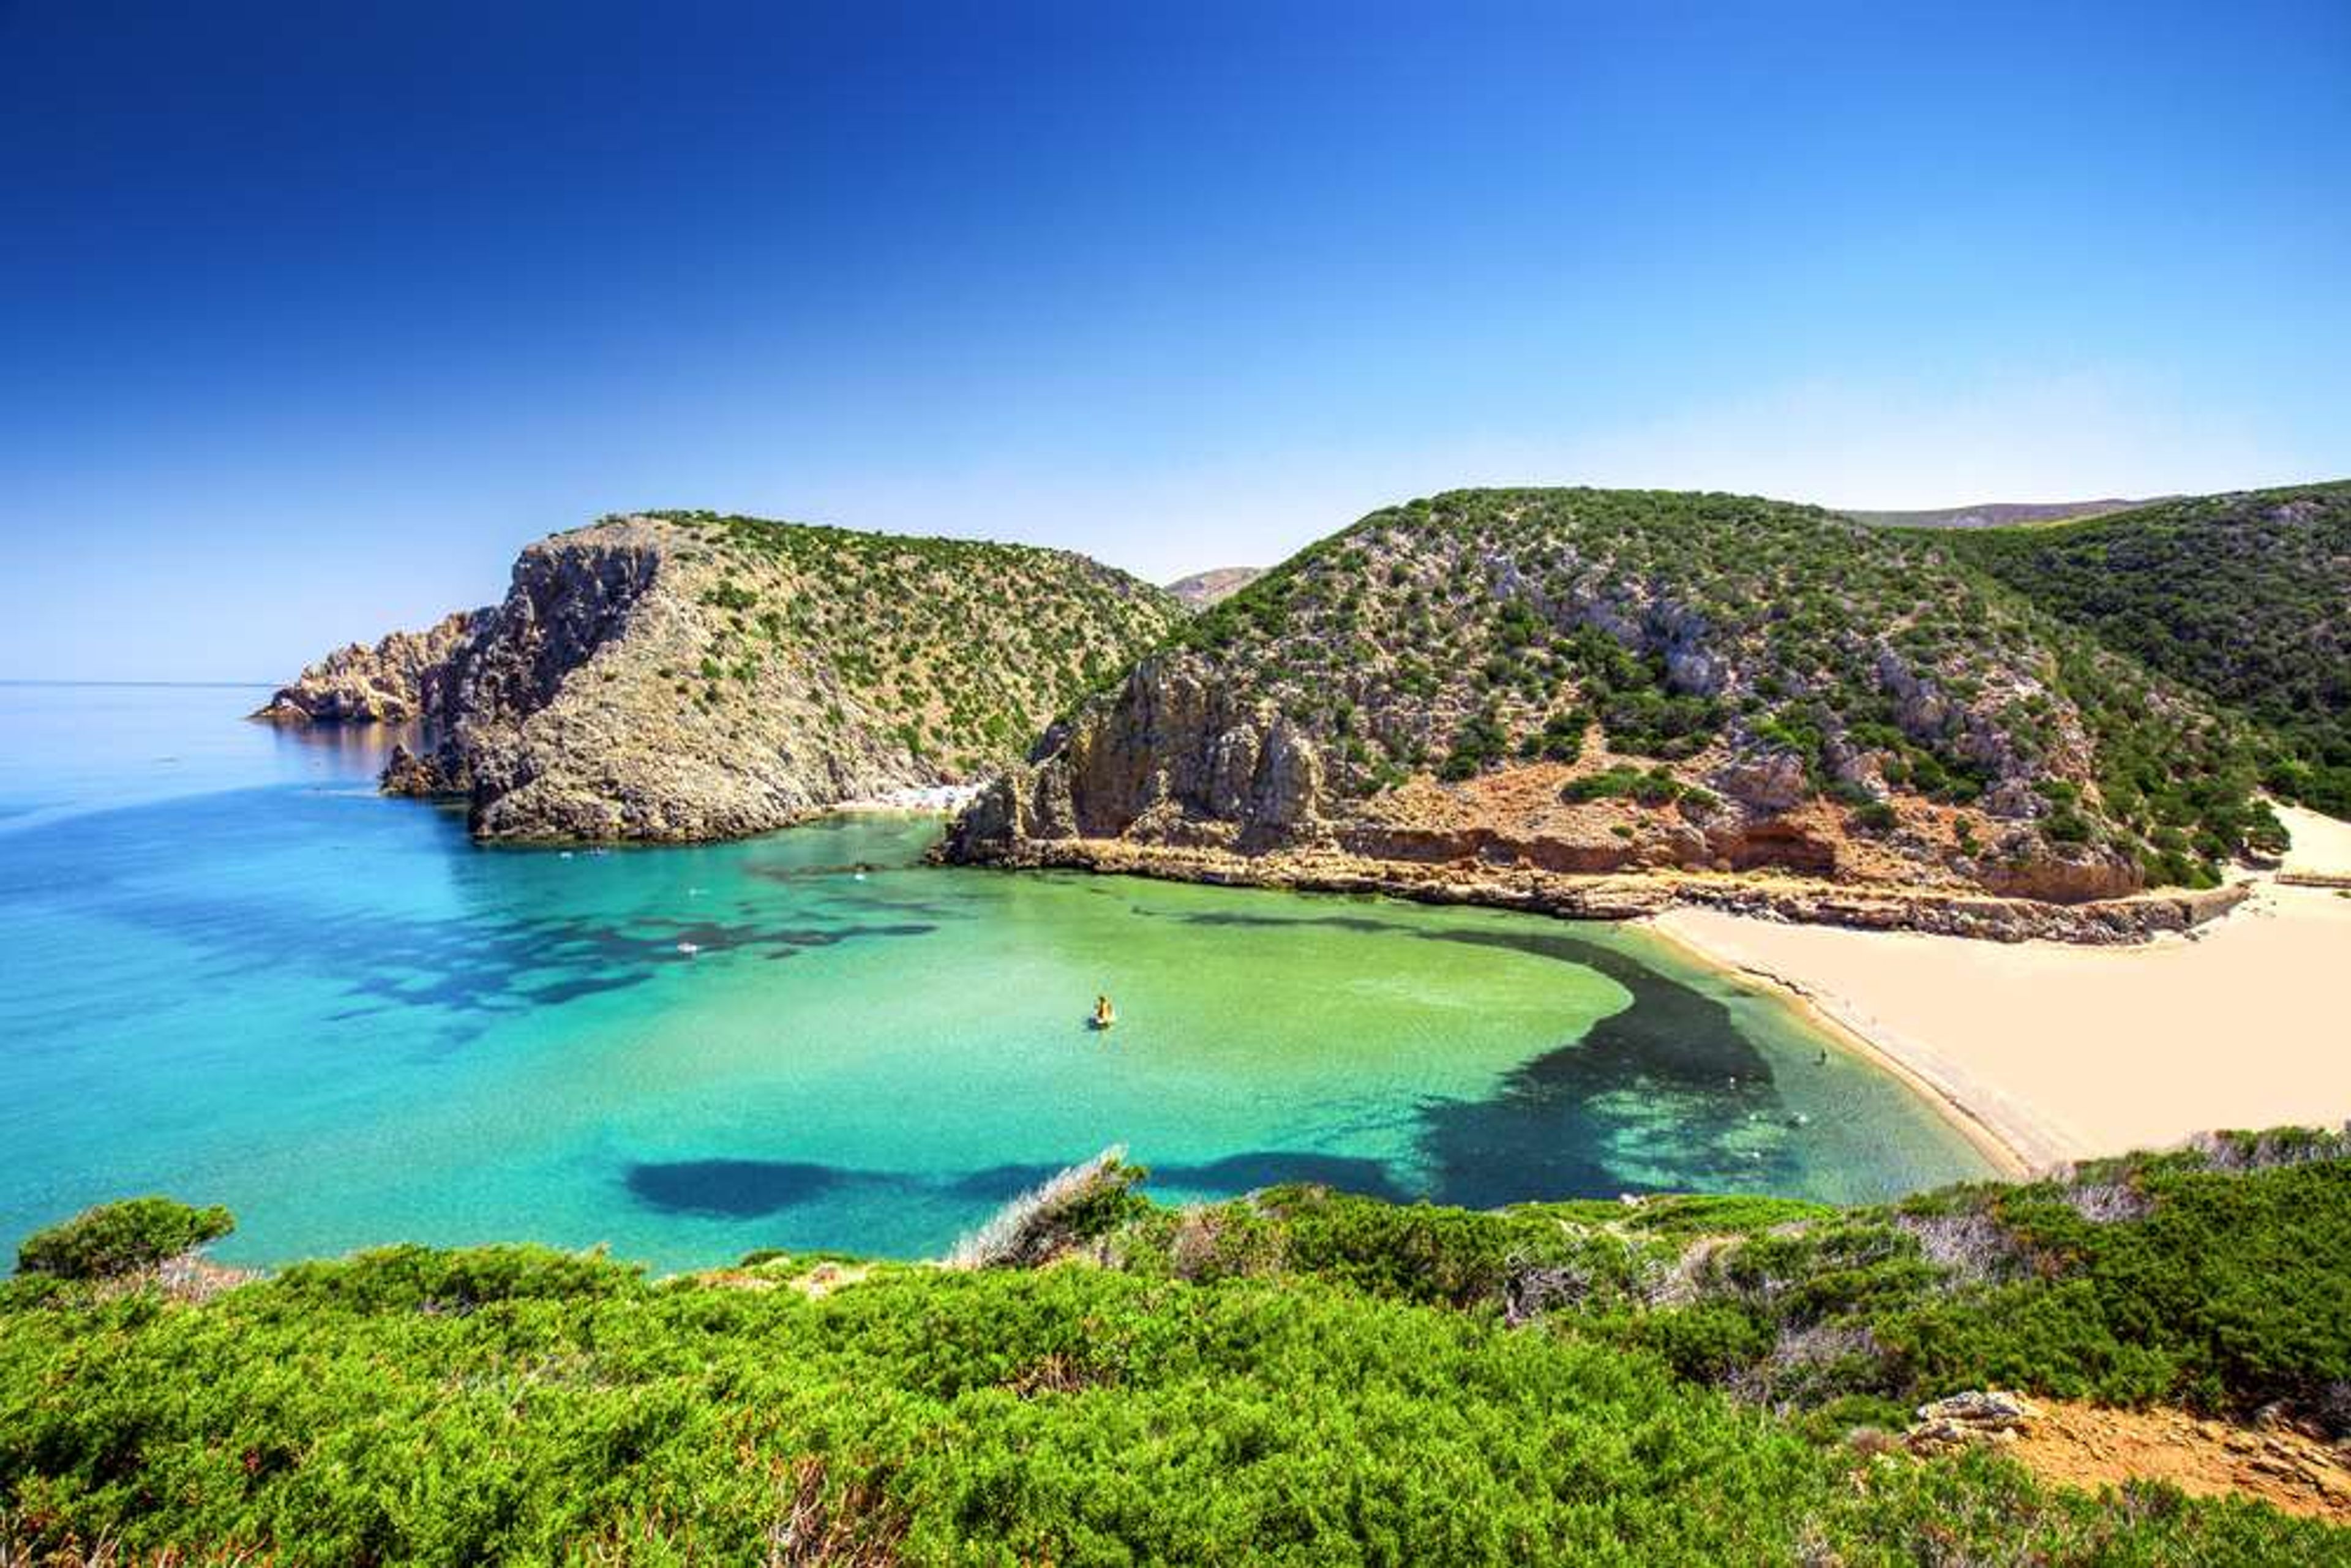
<point x="232" y="973"/>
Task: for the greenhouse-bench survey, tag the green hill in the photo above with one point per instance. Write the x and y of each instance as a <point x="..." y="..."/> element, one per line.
<point x="2246" y="598"/>
<point x="688" y="675"/>
<point x="1297" y="1377"/>
<point x="1697" y="680"/>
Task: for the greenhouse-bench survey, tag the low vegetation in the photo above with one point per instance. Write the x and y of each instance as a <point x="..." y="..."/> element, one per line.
<point x="120" y="1239"/>
<point x="1703" y="636"/>
<point x="1297" y="1377"/>
<point x="957" y="651"/>
<point x="2242" y="597"/>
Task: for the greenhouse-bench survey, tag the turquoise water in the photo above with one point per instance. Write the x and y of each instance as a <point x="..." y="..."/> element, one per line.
<point x="233" y="974"/>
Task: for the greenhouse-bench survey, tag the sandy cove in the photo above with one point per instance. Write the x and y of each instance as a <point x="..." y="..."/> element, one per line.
<point x="2053" y="1051"/>
<point x="2044" y="1032"/>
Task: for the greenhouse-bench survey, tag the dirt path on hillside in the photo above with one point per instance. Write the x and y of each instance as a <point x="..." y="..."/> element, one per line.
<point x="2089" y="1447"/>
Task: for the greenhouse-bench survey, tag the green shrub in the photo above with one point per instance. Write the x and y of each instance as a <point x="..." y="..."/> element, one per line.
<point x="1481" y="742"/>
<point x="1654" y="787"/>
<point x="117" y="1239"/>
<point x="1304" y="1376"/>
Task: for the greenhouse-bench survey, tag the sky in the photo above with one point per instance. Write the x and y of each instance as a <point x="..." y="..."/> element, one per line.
<point x="311" y="316"/>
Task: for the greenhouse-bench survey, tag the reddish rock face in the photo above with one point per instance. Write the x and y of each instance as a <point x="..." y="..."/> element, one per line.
<point x="1587" y="682"/>
<point x="2075" y="878"/>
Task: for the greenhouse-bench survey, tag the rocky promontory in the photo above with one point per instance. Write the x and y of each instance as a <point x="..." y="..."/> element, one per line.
<point x="398" y="681"/>
<point x="685" y="675"/>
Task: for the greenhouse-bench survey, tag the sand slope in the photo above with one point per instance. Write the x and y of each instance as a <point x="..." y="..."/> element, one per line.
<point x="2063" y="1051"/>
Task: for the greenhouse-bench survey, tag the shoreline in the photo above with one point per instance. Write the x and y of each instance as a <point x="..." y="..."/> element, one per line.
<point x="1980" y="919"/>
<point x="2064" y="1053"/>
<point x="2015" y="1153"/>
<point x="2042" y="1034"/>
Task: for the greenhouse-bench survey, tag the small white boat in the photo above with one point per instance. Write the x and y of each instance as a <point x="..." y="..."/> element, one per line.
<point x="689" y="948"/>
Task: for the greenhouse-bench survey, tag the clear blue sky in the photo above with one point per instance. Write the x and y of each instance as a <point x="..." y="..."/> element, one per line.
<point x="310" y="315"/>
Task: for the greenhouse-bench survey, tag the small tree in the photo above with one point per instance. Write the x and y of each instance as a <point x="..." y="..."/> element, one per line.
<point x="1083" y="1202"/>
<point x="118" y="1238"/>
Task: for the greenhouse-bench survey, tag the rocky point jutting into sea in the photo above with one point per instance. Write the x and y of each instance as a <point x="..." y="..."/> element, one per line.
<point x="685" y="676"/>
<point x="407" y="677"/>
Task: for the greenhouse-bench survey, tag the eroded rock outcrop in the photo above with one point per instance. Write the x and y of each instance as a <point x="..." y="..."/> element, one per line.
<point x="401" y="680"/>
<point x="1964" y="1420"/>
<point x="686" y="676"/>
<point x="1580" y="683"/>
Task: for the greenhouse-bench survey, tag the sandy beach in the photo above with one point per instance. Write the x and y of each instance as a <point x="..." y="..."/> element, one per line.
<point x="2053" y="1051"/>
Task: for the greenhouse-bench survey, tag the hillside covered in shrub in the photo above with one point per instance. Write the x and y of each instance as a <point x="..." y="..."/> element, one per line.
<point x="2246" y="598"/>
<point x="1586" y="680"/>
<point x="688" y="675"/>
<point x="1295" y="1377"/>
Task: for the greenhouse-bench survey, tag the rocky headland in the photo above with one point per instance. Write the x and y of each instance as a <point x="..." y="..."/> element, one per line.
<point x="1588" y="702"/>
<point x="401" y="680"/>
<point x="686" y="676"/>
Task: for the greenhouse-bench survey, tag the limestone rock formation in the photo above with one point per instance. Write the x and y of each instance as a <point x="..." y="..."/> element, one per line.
<point x="1588" y="682"/>
<point x="687" y="676"/>
<point x="1978" y="1416"/>
<point x="395" y="681"/>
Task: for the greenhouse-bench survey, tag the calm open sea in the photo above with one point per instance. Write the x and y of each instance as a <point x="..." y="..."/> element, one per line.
<point x="230" y="972"/>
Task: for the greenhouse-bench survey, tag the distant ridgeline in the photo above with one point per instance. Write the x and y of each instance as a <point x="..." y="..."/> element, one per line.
<point x="687" y="675"/>
<point x="2246" y="598"/>
<point x="1203" y="588"/>
<point x="1588" y="680"/>
<point x="1993" y="514"/>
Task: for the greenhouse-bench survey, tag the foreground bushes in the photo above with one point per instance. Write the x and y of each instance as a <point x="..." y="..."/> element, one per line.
<point x="2214" y="1277"/>
<point x="1300" y="1377"/>
<point x="118" y="1238"/>
<point x="1073" y="1416"/>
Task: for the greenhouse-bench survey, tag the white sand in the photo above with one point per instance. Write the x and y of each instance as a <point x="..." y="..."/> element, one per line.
<point x="2062" y="1052"/>
<point x="949" y="797"/>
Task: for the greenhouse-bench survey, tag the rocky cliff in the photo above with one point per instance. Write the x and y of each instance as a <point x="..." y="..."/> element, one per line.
<point x="398" y="681"/>
<point x="1581" y="681"/>
<point x="682" y="676"/>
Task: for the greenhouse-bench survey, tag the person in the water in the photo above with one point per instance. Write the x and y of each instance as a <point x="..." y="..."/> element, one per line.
<point x="1105" y="1014"/>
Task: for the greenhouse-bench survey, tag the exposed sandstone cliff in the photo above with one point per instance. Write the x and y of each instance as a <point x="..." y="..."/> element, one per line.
<point x="1176" y="760"/>
<point x="688" y="676"/>
<point x="395" y="681"/>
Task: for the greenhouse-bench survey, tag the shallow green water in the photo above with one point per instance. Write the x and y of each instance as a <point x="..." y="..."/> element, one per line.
<point x="333" y="1013"/>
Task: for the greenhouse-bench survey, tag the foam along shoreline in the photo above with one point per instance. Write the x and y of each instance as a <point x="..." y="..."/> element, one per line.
<point x="2055" y="1051"/>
